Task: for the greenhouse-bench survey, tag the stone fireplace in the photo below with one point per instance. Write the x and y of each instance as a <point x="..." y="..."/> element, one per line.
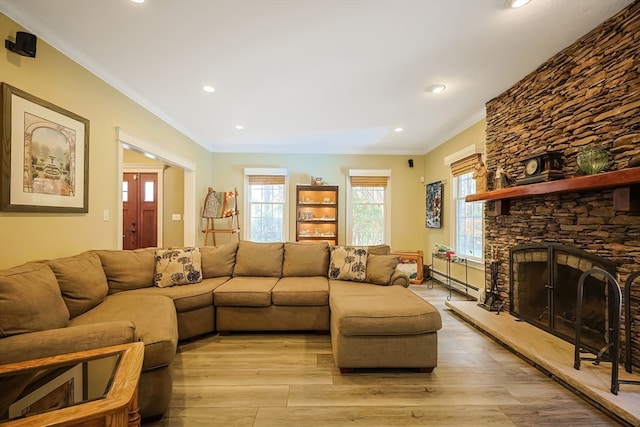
<point x="543" y="288"/>
<point x="588" y="94"/>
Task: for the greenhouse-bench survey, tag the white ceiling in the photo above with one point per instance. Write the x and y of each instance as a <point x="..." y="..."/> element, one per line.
<point x="312" y="76"/>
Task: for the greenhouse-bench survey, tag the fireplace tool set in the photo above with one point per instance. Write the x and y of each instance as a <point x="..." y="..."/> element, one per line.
<point x="492" y="300"/>
<point x="613" y="345"/>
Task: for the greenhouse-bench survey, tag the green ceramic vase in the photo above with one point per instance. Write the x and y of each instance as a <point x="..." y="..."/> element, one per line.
<point x="592" y="160"/>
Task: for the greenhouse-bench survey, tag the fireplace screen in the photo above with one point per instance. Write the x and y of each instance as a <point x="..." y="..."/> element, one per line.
<point x="544" y="286"/>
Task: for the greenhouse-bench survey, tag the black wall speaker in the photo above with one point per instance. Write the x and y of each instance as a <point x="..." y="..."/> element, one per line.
<point x="24" y="45"/>
<point x="410" y="163"/>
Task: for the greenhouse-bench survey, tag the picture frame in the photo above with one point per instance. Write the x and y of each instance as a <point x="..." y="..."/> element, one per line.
<point x="63" y="390"/>
<point x="411" y="263"/>
<point x="434" y="205"/>
<point x="44" y="158"/>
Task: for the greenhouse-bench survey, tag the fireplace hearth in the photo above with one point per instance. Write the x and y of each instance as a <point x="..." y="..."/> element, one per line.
<point x="543" y="291"/>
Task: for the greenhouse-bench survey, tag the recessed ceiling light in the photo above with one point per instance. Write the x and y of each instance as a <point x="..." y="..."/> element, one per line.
<point x="138" y="1"/>
<point x="239" y="127"/>
<point x="208" y="88"/>
<point x="514" y="4"/>
<point x="436" y="88"/>
<point x="398" y="129"/>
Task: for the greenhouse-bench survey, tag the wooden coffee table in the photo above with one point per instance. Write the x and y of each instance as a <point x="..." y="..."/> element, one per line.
<point x="89" y="388"/>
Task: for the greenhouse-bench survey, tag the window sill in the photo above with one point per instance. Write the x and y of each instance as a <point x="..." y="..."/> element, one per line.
<point x="475" y="263"/>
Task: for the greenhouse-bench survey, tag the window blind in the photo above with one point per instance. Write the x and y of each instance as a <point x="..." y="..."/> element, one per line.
<point x="266" y="179"/>
<point x="466" y="165"/>
<point x="369" y="181"/>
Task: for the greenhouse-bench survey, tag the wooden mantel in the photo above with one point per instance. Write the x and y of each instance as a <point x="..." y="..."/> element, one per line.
<point x="625" y="182"/>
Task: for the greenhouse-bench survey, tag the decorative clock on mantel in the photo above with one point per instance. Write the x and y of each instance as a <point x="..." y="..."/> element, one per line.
<point x="542" y="167"/>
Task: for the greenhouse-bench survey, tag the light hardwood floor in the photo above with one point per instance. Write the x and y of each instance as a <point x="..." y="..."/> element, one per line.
<point x="291" y="380"/>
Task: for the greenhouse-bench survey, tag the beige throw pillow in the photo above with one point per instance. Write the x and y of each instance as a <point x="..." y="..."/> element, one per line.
<point x="348" y="263"/>
<point x="380" y="268"/>
<point x="178" y="267"/>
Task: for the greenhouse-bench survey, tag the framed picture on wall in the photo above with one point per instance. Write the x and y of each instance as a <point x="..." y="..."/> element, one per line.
<point x="44" y="156"/>
<point x="434" y="205"/>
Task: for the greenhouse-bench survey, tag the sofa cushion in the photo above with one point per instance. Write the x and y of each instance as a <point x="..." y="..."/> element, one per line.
<point x="154" y="317"/>
<point x="380" y="310"/>
<point x="81" y="280"/>
<point x="348" y="263"/>
<point x="186" y="298"/>
<point x="380" y="268"/>
<point x="179" y="266"/>
<point x="245" y="292"/>
<point x="128" y="269"/>
<point x="218" y="261"/>
<point x="301" y="291"/>
<point x="305" y="259"/>
<point x="259" y="259"/>
<point x="30" y="300"/>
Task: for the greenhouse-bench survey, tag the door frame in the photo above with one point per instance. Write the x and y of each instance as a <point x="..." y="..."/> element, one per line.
<point x="127" y="140"/>
<point x="158" y="169"/>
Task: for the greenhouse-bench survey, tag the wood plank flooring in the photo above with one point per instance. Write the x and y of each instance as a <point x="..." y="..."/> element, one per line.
<point x="290" y="380"/>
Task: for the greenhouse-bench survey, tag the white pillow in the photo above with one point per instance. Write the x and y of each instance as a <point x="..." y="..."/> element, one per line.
<point x="178" y="267"/>
<point x="348" y="263"/>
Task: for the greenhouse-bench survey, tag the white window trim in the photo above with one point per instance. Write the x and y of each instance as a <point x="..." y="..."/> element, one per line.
<point x="267" y="171"/>
<point x="387" y="201"/>
<point x="473" y="262"/>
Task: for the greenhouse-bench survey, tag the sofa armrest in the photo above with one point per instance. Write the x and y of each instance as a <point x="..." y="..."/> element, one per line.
<point x="399" y="278"/>
<point x="35" y="345"/>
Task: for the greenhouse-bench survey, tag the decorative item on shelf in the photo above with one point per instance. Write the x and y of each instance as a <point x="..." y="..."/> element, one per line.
<point x="501" y="179"/>
<point x="317" y="181"/>
<point x="635" y="161"/>
<point x="440" y="247"/>
<point x="480" y="176"/>
<point x="592" y="160"/>
<point x="541" y="167"/>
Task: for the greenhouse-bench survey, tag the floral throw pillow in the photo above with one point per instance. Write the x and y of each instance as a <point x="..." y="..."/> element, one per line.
<point x="348" y="263"/>
<point x="178" y="267"/>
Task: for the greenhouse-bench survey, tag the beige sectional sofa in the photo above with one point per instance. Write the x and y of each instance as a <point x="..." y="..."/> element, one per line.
<point x="108" y="297"/>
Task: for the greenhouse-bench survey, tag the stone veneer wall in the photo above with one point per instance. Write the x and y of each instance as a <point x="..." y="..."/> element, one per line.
<point x="588" y="94"/>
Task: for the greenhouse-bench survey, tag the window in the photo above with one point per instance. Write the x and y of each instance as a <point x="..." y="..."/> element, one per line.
<point x="266" y="196"/>
<point x="368" y="221"/>
<point x="468" y="217"/>
<point x="469" y="227"/>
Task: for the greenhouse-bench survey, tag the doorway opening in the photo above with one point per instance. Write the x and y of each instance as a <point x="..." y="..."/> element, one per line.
<point x="130" y="141"/>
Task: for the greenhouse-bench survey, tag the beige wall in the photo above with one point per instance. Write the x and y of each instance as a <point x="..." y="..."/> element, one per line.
<point x="407" y="210"/>
<point x="56" y="78"/>
<point x="436" y="170"/>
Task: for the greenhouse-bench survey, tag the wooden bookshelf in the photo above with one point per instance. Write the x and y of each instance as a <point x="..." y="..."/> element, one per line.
<point x="625" y="183"/>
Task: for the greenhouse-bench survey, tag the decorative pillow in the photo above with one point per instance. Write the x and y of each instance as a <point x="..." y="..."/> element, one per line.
<point x="379" y="249"/>
<point x="380" y="268"/>
<point x="30" y="300"/>
<point x="348" y="263"/>
<point x="178" y="267"/>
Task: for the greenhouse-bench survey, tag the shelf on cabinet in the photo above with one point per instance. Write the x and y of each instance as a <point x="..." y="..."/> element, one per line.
<point x="625" y="182"/>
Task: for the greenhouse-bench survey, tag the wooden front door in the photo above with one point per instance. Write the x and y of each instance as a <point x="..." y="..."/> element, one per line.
<point x="139" y="210"/>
